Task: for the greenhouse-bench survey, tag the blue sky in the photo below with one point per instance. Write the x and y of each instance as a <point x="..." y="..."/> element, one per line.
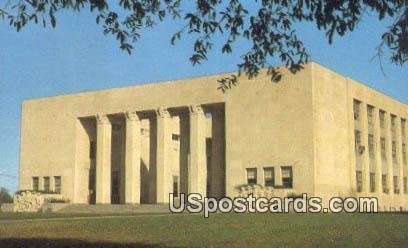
<point x="76" y="56"/>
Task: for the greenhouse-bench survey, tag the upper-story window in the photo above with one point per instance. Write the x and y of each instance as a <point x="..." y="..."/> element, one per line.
<point x="370" y="115"/>
<point x="357" y="140"/>
<point x="251" y="176"/>
<point x="383" y="149"/>
<point x="382" y="119"/>
<point x="403" y="129"/>
<point x="394" y="151"/>
<point x="359" y="181"/>
<point x="356" y="109"/>
<point x="404" y="153"/>
<point x="393" y="124"/>
<point x="371" y="151"/>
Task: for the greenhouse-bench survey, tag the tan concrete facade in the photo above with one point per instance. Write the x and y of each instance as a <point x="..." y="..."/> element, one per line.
<point x="314" y="132"/>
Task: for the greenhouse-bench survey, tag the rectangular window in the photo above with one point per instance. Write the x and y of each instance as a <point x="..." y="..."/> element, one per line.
<point x="403" y="128"/>
<point x="405" y="185"/>
<point x="371" y="150"/>
<point x="383" y="149"/>
<point x="269" y="175"/>
<point x="251" y="176"/>
<point x="92" y="150"/>
<point x="393" y="119"/>
<point x="46" y="184"/>
<point x="370" y="115"/>
<point x="394" y="151"/>
<point x="372" y="182"/>
<point x="359" y="180"/>
<point x="175" y="186"/>
<point x="395" y="183"/>
<point x="287" y="176"/>
<point x="36" y="183"/>
<point x="382" y="119"/>
<point x="384" y="183"/>
<point x="57" y="184"/>
<point x="175" y="137"/>
<point x="404" y="153"/>
<point x="357" y="140"/>
<point x="356" y="109"/>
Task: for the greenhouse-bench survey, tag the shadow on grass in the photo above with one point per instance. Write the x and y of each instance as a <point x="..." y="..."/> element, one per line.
<point x="67" y="243"/>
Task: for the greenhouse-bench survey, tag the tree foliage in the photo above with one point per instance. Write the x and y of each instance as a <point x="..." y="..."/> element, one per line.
<point x="270" y="29"/>
<point x="5" y="196"/>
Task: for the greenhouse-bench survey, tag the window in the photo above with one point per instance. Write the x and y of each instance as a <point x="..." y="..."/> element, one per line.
<point x="370" y="115"/>
<point x="251" y="176"/>
<point x="57" y="184"/>
<point x="175" y="186"/>
<point x="384" y="183"/>
<point x="287" y="176"/>
<point x="92" y="150"/>
<point x="394" y="151"/>
<point x="383" y="150"/>
<point x="395" y="183"/>
<point x="36" y="183"/>
<point x="359" y="180"/>
<point x="405" y="185"/>
<point x="372" y="182"/>
<point x="371" y="151"/>
<point x="404" y="153"/>
<point x="357" y="140"/>
<point x="175" y="137"/>
<point x="403" y="128"/>
<point x="269" y="175"/>
<point x="356" y="109"/>
<point x="46" y="184"/>
<point x="393" y="118"/>
<point x="382" y="119"/>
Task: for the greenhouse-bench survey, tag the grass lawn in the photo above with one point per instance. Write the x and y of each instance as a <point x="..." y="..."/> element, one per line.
<point x="220" y="230"/>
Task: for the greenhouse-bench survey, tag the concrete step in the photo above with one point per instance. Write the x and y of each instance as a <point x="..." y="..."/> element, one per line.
<point x="115" y="208"/>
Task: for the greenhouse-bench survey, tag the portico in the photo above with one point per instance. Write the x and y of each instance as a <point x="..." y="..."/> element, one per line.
<point x="161" y="151"/>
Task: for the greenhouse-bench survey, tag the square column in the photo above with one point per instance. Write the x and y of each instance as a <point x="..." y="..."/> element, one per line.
<point x="103" y="159"/>
<point x="132" y="158"/>
<point x="218" y="154"/>
<point x="163" y="160"/>
<point x="197" y="170"/>
<point x="377" y="150"/>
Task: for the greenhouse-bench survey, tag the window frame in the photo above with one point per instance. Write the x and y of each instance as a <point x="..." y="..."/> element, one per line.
<point x="57" y="187"/>
<point x="255" y="179"/>
<point x="47" y="184"/>
<point x="271" y="181"/>
<point x="35" y="183"/>
<point x="288" y="185"/>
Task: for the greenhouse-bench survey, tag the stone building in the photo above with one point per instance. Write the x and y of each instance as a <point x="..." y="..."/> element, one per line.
<point x="314" y="132"/>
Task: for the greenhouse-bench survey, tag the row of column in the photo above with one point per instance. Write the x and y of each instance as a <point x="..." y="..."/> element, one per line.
<point x="377" y="132"/>
<point x="197" y="169"/>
